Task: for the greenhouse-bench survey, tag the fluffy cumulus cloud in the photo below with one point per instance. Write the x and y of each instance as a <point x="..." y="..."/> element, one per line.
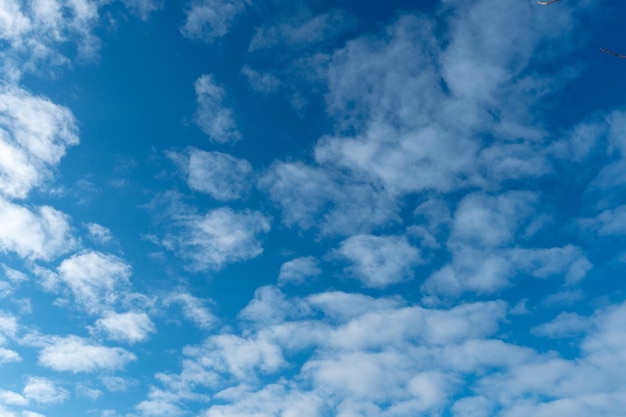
<point x="484" y="258"/>
<point x="220" y="237"/>
<point x="313" y="197"/>
<point x="218" y="174"/>
<point x="379" y="261"/>
<point x="75" y="354"/>
<point x="397" y="360"/>
<point x="43" y="233"/>
<point x="44" y="391"/>
<point x="99" y="233"/>
<point x="34" y="33"/>
<point x="298" y="270"/>
<point x="213" y="117"/>
<point x="131" y="327"/>
<point x="428" y="158"/>
<point x="96" y="280"/>
<point x="364" y="357"/>
<point x="34" y="135"/>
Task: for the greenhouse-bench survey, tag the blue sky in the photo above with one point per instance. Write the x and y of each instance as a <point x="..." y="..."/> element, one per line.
<point x="221" y="208"/>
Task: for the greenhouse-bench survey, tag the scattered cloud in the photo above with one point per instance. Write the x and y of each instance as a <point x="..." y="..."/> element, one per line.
<point x="379" y="261"/>
<point x="298" y="270"/>
<point x="130" y="327"/>
<point x="99" y="233"/>
<point x="193" y="308"/>
<point x="75" y="354"/>
<point x="42" y="234"/>
<point x="207" y="20"/>
<point x="34" y="33"/>
<point x="563" y="325"/>
<point x="301" y="31"/>
<point x="220" y="175"/>
<point x="44" y="391"/>
<point x="262" y="82"/>
<point x="34" y="135"/>
<point x="215" y="120"/>
<point x="220" y="237"/>
<point x="95" y="279"/>
<point x="143" y="8"/>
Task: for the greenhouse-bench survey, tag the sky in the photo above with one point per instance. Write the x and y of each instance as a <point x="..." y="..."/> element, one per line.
<point x="311" y="208"/>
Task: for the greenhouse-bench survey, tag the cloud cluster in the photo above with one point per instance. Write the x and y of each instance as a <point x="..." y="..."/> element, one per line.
<point x="367" y="356"/>
<point x="34" y="32"/>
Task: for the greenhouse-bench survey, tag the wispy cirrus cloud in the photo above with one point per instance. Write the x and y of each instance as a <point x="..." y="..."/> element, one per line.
<point x="302" y="30"/>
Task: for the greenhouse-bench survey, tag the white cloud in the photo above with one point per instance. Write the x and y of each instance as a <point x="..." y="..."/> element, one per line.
<point x="8" y="327"/>
<point x="193" y="309"/>
<point x="75" y="354"/>
<point x="491" y="221"/>
<point x="34" y="135"/>
<point x="301" y="30"/>
<point x="34" y="33"/>
<point x="210" y="19"/>
<point x="220" y="237"/>
<point x="310" y="196"/>
<point x="379" y="261"/>
<point x="99" y="233"/>
<point x="43" y="234"/>
<point x="218" y="174"/>
<point x="26" y="413"/>
<point x="131" y="327"/>
<point x="296" y="271"/>
<point x="7" y="356"/>
<point x="115" y="383"/>
<point x="12" y="398"/>
<point x="44" y="391"/>
<point x="11" y="279"/>
<point x="563" y="325"/>
<point x="95" y="279"/>
<point x="143" y="8"/>
<point x="262" y="82"/>
<point x="215" y="120"/>
<point x="361" y="352"/>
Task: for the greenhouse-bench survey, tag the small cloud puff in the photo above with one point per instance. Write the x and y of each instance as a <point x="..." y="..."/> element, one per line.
<point x="44" y="391"/>
<point x="215" y="120"/>
<point x="218" y="174"/>
<point x="76" y="354"/>
<point x="298" y="270"/>
<point x="379" y="261"/>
